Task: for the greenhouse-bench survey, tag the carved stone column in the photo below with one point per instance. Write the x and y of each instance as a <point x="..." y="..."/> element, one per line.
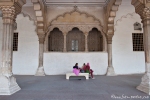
<point x="8" y="83"/>
<point x="40" y="70"/>
<point x="65" y="46"/>
<point x="145" y="84"/>
<point x="110" y="70"/>
<point x="86" y="42"/>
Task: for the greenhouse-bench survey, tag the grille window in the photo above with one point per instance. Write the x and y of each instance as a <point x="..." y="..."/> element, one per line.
<point x="137" y="41"/>
<point x="15" y="42"/>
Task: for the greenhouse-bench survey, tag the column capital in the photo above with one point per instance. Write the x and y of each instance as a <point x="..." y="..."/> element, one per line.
<point x="8" y="14"/>
<point x="146" y="13"/>
<point x="41" y="38"/>
<point x="86" y="33"/>
<point x="10" y="9"/>
<point x="64" y="33"/>
<point x="109" y="38"/>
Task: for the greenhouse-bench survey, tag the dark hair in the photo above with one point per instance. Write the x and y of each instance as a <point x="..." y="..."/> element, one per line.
<point x="76" y="64"/>
<point x="84" y="64"/>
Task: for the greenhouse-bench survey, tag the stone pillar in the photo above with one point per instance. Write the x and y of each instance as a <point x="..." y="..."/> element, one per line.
<point x="86" y="42"/>
<point x="65" y="46"/>
<point x="110" y="70"/>
<point x="8" y="83"/>
<point x="145" y="84"/>
<point x="40" y="70"/>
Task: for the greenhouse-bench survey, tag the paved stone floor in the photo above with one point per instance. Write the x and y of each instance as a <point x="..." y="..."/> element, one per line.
<point x="58" y="88"/>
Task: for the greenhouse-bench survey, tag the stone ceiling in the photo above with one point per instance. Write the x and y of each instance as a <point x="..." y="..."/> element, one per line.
<point x="99" y="3"/>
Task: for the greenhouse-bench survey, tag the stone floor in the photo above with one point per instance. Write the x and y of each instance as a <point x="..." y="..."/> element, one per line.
<point x="58" y="88"/>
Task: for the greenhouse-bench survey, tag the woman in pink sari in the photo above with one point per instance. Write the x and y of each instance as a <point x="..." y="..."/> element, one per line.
<point x="76" y="69"/>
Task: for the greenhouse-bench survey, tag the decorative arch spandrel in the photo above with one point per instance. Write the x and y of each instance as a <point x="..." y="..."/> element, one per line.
<point x="75" y="16"/>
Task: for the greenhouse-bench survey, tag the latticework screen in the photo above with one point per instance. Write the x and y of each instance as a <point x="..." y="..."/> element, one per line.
<point x="56" y="40"/>
<point x="95" y="40"/>
<point x="15" y="42"/>
<point x="137" y="41"/>
<point x="75" y="40"/>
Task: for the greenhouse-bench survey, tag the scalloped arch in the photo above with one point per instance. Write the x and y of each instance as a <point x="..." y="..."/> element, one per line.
<point x="75" y="17"/>
<point x="112" y="15"/>
<point x="123" y="17"/>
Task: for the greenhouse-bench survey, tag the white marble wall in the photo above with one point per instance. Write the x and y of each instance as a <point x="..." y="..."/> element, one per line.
<point x="56" y="63"/>
<point x="25" y="60"/>
<point x="125" y="60"/>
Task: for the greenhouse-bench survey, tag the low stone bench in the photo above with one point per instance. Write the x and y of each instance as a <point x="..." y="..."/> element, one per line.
<point x="80" y="74"/>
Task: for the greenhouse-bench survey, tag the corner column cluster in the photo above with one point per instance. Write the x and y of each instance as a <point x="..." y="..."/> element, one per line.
<point x="8" y="84"/>
<point x="144" y="12"/>
<point x="145" y="84"/>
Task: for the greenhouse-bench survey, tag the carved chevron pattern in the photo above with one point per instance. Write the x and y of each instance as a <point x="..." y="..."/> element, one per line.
<point x="123" y="17"/>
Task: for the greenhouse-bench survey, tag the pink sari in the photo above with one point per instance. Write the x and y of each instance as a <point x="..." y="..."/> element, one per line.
<point x="76" y="71"/>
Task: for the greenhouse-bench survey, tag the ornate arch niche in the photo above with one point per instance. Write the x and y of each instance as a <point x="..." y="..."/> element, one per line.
<point x="55" y="40"/>
<point x="77" y="38"/>
<point x="81" y="20"/>
<point x="95" y="40"/>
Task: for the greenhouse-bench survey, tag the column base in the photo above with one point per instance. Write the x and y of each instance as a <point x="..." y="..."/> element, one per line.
<point x="64" y="50"/>
<point x="8" y="85"/>
<point x="145" y="84"/>
<point x="110" y="71"/>
<point x="40" y="71"/>
<point x="86" y="51"/>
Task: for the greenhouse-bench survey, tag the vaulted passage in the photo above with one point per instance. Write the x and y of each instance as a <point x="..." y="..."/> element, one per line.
<point x="52" y="35"/>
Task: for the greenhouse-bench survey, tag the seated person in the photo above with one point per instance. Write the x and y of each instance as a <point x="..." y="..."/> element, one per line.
<point x="82" y="69"/>
<point x="76" y="69"/>
<point x="83" y="66"/>
<point x="88" y="70"/>
<point x="76" y="66"/>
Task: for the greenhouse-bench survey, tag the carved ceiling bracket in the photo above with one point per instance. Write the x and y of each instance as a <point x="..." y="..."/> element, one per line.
<point x="112" y="15"/>
<point x="142" y="7"/>
<point x="39" y="8"/>
<point x="139" y="7"/>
